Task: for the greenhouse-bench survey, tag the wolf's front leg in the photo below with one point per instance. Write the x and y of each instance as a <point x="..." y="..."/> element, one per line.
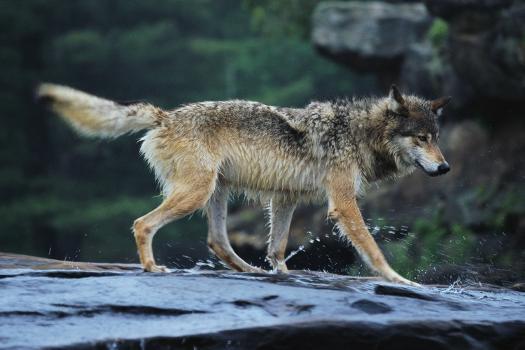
<point x="344" y="209"/>
<point x="281" y="212"/>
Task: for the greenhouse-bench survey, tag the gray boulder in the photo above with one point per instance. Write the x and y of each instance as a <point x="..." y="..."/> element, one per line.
<point x="368" y="36"/>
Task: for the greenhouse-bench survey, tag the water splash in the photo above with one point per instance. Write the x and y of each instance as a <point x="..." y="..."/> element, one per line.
<point x="200" y="264"/>
<point x="455" y="287"/>
<point x="294" y="252"/>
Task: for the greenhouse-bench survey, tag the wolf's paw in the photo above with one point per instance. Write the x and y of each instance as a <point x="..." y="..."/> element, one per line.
<point x="280" y="267"/>
<point x="253" y="269"/>
<point x="402" y="280"/>
<point x="155" y="268"/>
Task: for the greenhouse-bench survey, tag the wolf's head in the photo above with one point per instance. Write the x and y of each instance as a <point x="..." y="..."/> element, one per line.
<point x="416" y="133"/>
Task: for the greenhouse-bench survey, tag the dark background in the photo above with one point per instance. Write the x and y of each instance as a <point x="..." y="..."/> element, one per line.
<point x="67" y="197"/>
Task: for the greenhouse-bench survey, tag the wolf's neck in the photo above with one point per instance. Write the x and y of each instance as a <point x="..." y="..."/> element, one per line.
<point x="369" y="137"/>
<point x="350" y="128"/>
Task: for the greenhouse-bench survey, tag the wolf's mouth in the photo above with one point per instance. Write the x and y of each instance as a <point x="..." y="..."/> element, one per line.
<point x="429" y="173"/>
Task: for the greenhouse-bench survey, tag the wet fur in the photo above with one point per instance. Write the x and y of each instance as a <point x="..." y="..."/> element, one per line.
<point x="266" y="152"/>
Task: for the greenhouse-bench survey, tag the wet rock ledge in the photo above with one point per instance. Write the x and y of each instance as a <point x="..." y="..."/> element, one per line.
<point x="60" y="305"/>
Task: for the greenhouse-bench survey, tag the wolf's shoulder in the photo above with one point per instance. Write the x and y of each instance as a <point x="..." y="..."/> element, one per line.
<point x="312" y="117"/>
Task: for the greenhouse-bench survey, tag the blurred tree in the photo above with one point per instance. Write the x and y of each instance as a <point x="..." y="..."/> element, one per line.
<point x="281" y="18"/>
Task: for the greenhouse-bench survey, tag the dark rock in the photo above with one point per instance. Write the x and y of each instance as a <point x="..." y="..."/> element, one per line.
<point x="369" y="36"/>
<point x="188" y="309"/>
<point x="492" y="62"/>
<point x="16" y="261"/>
<point x="339" y="335"/>
<point x="421" y="70"/>
<point x="401" y="292"/>
<point x="485" y="47"/>
<point x="371" y="307"/>
<point x="491" y="275"/>
<point x="519" y="287"/>
<point x="430" y="74"/>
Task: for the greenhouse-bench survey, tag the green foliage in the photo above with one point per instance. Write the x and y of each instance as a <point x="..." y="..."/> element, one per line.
<point x="438" y="32"/>
<point x="83" y="47"/>
<point x="507" y="204"/>
<point x="431" y="243"/>
<point x="281" y="18"/>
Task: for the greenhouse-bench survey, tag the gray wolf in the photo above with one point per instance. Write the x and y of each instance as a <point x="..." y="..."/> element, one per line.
<point x="201" y="152"/>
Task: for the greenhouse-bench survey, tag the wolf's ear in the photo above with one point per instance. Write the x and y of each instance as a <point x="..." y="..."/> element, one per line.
<point x="438" y="104"/>
<point x="396" y="103"/>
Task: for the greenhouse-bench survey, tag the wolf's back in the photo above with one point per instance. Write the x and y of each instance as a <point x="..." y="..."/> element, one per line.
<point x="97" y="117"/>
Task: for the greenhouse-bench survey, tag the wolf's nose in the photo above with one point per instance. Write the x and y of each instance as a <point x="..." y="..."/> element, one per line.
<point x="443" y="168"/>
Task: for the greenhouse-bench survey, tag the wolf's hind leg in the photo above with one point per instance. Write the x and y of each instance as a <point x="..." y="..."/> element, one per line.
<point x="218" y="241"/>
<point x="188" y="196"/>
<point x="281" y="212"/>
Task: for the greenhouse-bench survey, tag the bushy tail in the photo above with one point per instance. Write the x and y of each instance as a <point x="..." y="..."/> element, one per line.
<point x="97" y="117"/>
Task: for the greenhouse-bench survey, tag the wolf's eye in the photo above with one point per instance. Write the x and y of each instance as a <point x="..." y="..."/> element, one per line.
<point x="422" y="138"/>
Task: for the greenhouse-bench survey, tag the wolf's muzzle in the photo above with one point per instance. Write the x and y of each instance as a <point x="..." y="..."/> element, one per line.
<point x="443" y="168"/>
